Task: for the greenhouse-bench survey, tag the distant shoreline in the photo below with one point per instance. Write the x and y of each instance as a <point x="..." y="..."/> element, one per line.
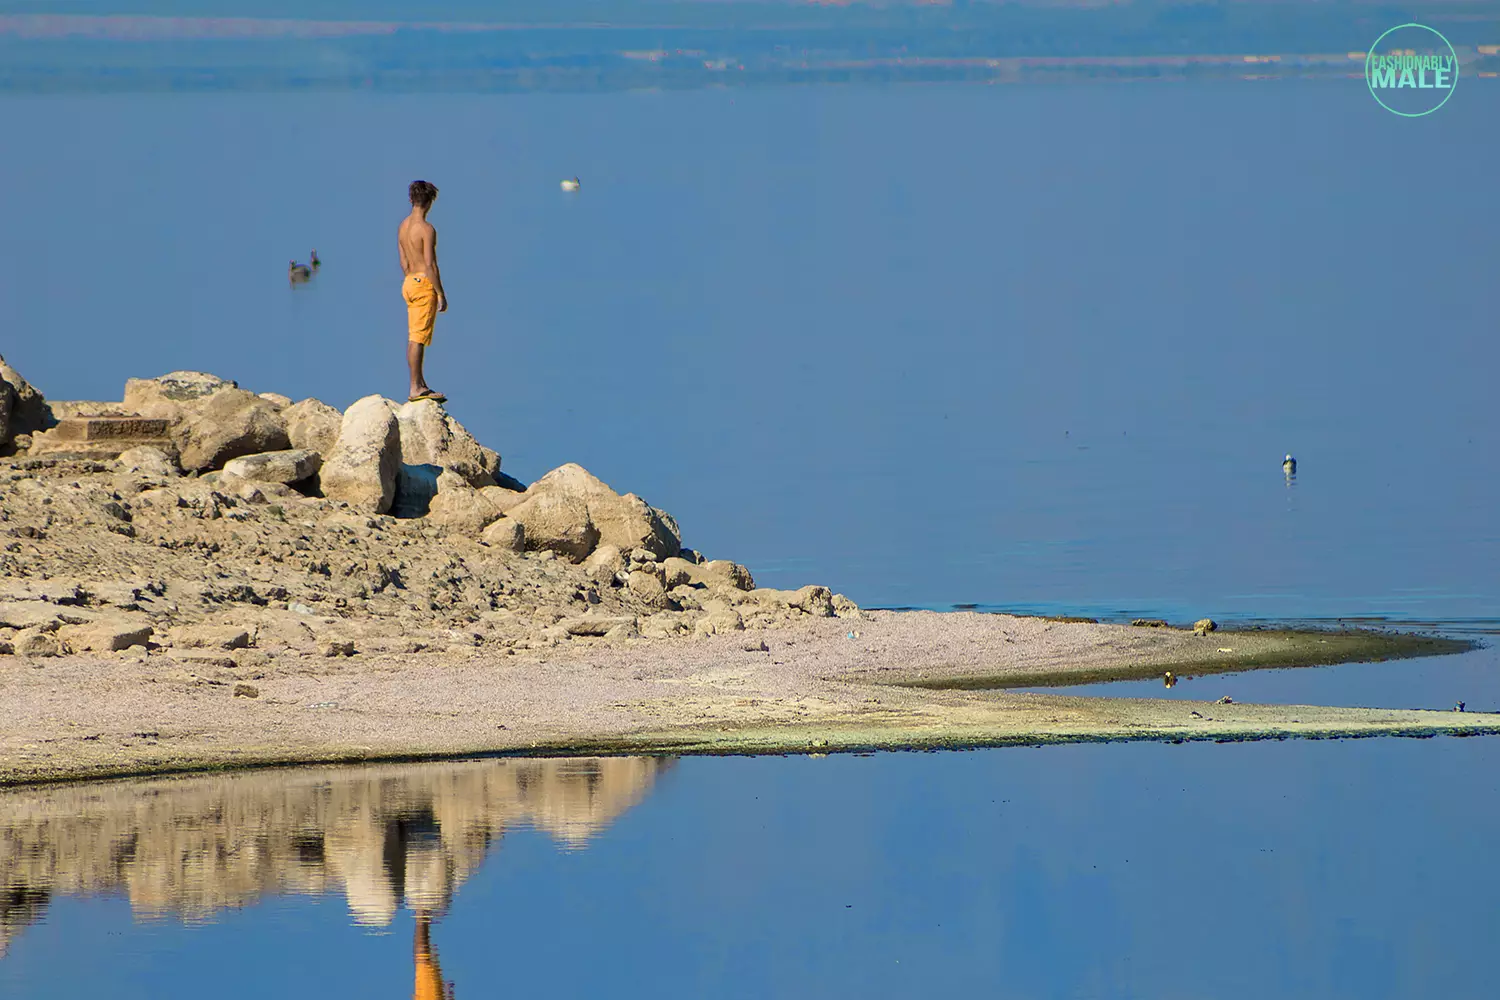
<point x="597" y="47"/>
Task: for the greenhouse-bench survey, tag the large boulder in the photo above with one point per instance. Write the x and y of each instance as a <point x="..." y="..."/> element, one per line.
<point x="569" y="505"/>
<point x="276" y="466"/>
<point x="361" y="468"/>
<point x="429" y="436"/>
<point x="312" y="425"/>
<point x="558" y="521"/>
<point x="226" y="425"/>
<point x="22" y="408"/>
<point x="506" y="534"/>
<point x="460" y="507"/>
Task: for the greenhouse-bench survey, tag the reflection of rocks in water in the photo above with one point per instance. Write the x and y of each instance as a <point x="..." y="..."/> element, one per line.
<point x="384" y="836"/>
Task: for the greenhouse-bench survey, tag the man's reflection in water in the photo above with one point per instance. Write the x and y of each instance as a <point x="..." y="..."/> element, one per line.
<point x="421" y="875"/>
<point x="429" y="985"/>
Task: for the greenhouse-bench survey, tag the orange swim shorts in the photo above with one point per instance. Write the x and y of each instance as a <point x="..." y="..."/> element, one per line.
<point x="421" y="308"/>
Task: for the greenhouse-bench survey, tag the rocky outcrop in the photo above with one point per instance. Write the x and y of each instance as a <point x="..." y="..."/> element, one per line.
<point x="98" y="551"/>
<point x="430" y="436"/>
<point x="286" y="467"/>
<point x="361" y="469"/>
<point x="570" y="511"/>
<point x="312" y="425"/>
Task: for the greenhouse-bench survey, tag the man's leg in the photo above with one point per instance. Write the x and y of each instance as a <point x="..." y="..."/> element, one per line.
<point x="414" y="354"/>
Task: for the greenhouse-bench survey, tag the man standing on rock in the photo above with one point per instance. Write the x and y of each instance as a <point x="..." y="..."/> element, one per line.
<point x="423" y="285"/>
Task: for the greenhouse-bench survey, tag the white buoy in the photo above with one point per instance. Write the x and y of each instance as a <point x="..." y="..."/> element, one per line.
<point x="571" y="185"/>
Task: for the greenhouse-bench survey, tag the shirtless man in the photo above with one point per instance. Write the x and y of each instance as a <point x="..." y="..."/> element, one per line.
<point x="423" y="285"/>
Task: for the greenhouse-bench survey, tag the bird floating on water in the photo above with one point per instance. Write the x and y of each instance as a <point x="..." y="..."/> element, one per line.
<point x="298" y="273"/>
<point x="572" y="185"/>
<point x="316" y="263"/>
<point x="1289" y="466"/>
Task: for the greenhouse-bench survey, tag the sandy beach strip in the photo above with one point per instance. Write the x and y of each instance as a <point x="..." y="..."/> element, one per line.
<point x="820" y="686"/>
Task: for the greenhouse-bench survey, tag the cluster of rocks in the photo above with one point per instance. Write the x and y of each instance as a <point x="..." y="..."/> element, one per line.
<point x="226" y="527"/>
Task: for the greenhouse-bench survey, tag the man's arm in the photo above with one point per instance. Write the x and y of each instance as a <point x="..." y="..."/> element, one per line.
<point x="430" y="245"/>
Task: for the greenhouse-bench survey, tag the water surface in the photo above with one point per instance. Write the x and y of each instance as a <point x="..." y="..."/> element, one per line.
<point x="1298" y="869"/>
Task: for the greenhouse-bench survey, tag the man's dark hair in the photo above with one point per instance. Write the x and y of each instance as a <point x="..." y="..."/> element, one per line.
<point x="422" y="193"/>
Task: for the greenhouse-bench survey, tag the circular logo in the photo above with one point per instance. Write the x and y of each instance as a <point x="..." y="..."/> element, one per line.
<point x="1411" y="70"/>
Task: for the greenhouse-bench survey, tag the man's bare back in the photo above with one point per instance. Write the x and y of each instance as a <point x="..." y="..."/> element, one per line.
<point x="417" y="241"/>
<point x="422" y="284"/>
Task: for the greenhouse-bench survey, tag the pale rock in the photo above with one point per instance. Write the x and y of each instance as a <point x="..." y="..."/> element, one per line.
<point x="227" y="424"/>
<point x="336" y="647"/>
<point x="429" y="436"/>
<point x="7" y="401"/>
<point x="312" y="425"/>
<point x="573" y="506"/>
<point x="276" y="399"/>
<point x="647" y="588"/>
<point x="665" y="624"/>
<point x="107" y="635"/>
<point x="153" y="463"/>
<point x="167" y="394"/>
<point x="845" y="608"/>
<point x="208" y="637"/>
<point x="505" y="533"/>
<point x="556" y="521"/>
<point x="604" y="564"/>
<point x="642" y="556"/>
<point x="1203" y="626"/>
<point x="621" y="632"/>
<point x="36" y="642"/>
<point x="361" y="469"/>
<point x="676" y="572"/>
<point x="251" y="492"/>
<point x="286" y="467"/>
<point x="460" y="507"/>
<point x="246" y="691"/>
<point x="718" y="618"/>
<point x="812" y="599"/>
<point x="721" y="574"/>
<point x="26" y="409"/>
<point x="596" y="624"/>
<point x="28" y="614"/>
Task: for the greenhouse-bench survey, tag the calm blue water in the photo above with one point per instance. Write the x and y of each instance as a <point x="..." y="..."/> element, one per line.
<point x="1021" y="347"/>
<point x="1299" y="869"/>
